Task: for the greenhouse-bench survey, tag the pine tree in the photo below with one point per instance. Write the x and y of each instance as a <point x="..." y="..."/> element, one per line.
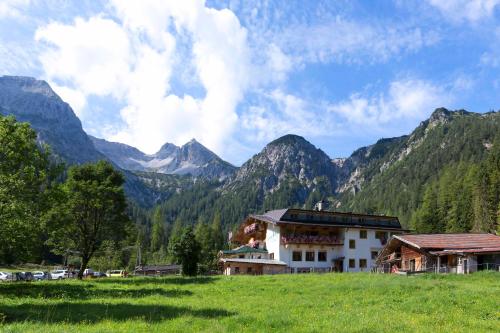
<point x="158" y="234"/>
<point x="186" y="251"/>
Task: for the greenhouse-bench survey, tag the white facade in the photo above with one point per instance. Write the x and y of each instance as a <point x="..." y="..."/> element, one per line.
<point x="316" y="257"/>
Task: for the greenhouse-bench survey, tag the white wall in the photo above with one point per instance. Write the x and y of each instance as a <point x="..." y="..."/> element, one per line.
<point x="273" y="241"/>
<point x="363" y="249"/>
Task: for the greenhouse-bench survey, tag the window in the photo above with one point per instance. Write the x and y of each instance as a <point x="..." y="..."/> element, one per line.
<point x="380" y="234"/>
<point x="363" y="234"/>
<point x="362" y="263"/>
<point x="271" y="256"/>
<point x="297" y="256"/>
<point x="352" y="263"/>
<point x="241" y="256"/>
<point x="309" y="256"/>
<point x="321" y="255"/>
<point x="237" y="270"/>
<point x="249" y="270"/>
<point x="352" y="243"/>
<point x="374" y="255"/>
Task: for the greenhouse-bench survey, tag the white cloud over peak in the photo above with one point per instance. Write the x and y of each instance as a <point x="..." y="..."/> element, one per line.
<point x="407" y="99"/>
<point x="283" y="113"/>
<point x="466" y="10"/>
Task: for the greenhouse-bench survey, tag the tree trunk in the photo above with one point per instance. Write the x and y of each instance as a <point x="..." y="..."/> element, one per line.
<point x="83" y="266"/>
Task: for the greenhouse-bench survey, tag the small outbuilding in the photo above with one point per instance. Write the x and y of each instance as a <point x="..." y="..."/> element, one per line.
<point x="234" y="266"/>
<point x="440" y="253"/>
<point x="157" y="270"/>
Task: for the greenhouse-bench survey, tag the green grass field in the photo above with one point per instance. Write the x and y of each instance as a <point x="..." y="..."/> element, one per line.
<point x="281" y="303"/>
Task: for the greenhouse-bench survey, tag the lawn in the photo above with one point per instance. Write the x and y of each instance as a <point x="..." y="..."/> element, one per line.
<point x="283" y="303"/>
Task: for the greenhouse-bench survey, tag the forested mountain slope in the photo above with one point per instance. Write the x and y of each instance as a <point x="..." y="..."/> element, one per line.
<point x="389" y="177"/>
<point x="396" y="182"/>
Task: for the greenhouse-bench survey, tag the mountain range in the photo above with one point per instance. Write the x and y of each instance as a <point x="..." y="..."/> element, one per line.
<point x="192" y="158"/>
<point x="190" y="182"/>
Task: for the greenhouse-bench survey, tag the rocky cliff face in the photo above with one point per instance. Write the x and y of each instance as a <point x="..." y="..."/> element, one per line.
<point x="33" y="101"/>
<point x="290" y="157"/>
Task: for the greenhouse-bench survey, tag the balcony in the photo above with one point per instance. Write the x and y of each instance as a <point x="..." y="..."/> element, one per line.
<point x="249" y="229"/>
<point x="308" y="239"/>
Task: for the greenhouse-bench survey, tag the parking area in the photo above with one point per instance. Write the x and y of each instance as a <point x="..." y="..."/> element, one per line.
<point x="56" y="274"/>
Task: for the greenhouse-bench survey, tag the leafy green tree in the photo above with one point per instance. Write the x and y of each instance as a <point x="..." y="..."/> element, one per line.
<point x="91" y="210"/>
<point x="186" y="251"/>
<point x="25" y="182"/>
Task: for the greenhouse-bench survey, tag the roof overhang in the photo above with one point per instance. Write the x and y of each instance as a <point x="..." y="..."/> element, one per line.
<point x="254" y="261"/>
<point x="464" y="251"/>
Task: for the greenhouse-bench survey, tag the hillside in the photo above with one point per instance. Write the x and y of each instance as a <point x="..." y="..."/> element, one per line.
<point x="394" y="183"/>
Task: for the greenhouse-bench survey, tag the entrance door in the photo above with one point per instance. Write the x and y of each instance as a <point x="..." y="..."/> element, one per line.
<point x="338" y="265"/>
<point x="412" y="265"/>
<point x="466" y="266"/>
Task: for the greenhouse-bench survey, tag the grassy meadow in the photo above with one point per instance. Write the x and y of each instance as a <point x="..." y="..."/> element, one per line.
<point x="281" y="303"/>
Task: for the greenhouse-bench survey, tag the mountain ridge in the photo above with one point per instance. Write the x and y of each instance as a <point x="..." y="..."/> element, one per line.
<point x="388" y="177"/>
<point x="191" y="158"/>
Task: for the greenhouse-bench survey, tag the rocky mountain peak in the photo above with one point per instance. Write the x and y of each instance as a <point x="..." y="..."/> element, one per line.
<point x="290" y="157"/>
<point x="13" y="84"/>
<point x="166" y="150"/>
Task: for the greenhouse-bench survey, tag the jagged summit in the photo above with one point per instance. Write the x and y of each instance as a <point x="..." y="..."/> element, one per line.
<point x="192" y="158"/>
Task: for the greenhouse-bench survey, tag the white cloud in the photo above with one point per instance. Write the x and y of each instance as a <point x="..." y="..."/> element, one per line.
<point x="344" y="41"/>
<point x="466" y="10"/>
<point x="405" y="100"/>
<point x="132" y="59"/>
<point x="13" y="8"/>
<point x="492" y="56"/>
<point x="75" y="98"/>
<point x="283" y="113"/>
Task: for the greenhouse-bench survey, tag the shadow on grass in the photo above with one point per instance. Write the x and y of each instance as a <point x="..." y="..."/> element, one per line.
<point x="158" y="280"/>
<point x="81" y="291"/>
<point x="95" y="312"/>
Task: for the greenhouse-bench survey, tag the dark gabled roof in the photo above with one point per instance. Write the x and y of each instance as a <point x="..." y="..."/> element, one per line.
<point x="157" y="267"/>
<point x="244" y="249"/>
<point x="451" y="241"/>
<point x="328" y="218"/>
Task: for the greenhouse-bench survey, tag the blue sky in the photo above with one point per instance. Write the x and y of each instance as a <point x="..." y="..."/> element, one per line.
<point x="238" y="74"/>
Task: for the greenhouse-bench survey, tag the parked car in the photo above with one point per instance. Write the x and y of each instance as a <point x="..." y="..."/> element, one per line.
<point x="99" y="274"/>
<point x="24" y="276"/>
<point x="59" y="274"/>
<point x="39" y="276"/>
<point x="116" y="273"/>
<point x="5" y="276"/>
<point x="89" y="272"/>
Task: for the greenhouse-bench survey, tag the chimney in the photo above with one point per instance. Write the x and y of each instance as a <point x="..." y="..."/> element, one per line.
<point x="321" y="206"/>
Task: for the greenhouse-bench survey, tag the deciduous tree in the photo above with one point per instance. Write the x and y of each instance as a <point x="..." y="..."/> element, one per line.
<point x="92" y="210"/>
